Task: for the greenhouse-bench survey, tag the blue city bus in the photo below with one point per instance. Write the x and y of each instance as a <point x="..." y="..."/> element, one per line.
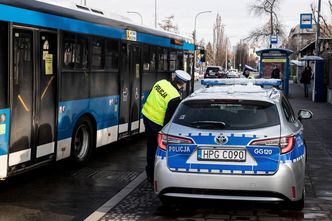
<point x="73" y="79"/>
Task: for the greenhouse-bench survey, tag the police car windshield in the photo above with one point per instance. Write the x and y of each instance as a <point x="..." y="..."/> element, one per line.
<point x="231" y="114"/>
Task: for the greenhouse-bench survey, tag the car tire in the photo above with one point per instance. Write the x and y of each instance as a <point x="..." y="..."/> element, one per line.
<point x="165" y="200"/>
<point x="82" y="141"/>
<point x="297" y="205"/>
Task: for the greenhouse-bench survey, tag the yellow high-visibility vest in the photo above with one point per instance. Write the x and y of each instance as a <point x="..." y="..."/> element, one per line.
<point x="156" y="104"/>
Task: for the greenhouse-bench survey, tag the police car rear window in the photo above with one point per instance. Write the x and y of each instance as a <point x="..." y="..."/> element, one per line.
<point x="227" y="114"/>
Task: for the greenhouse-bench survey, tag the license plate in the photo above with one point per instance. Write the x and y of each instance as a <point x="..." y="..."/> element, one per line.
<point x="236" y="155"/>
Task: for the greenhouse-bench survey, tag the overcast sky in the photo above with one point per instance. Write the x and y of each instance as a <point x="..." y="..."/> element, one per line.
<point x="234" y="13"/>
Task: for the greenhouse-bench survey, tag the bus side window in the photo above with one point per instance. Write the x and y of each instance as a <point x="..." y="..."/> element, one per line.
<point x="69" y="48"/>
<point x="172" y="61"/>
<point x="179" y="61"/>
<point x="162" y="59"/>
<point x="112" y="55"/>
<point x="76" y="53"/>
<point x="98" y="53"/>
<point x="82" y="53"/>
<point x="153" y="58"/>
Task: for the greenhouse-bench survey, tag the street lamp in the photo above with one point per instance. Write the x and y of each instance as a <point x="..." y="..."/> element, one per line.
<point x="196" y="23"/>
<point x="317" y="45"/>
<point x="137" y="13"/>
<point x="155" y="13"/>
<point x="194" y="36"/>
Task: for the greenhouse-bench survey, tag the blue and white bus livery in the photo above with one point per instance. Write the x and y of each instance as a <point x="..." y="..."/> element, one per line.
<point x="74" y="78"/>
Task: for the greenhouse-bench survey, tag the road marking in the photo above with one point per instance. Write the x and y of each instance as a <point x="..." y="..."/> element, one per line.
<point x="101" y="211"/>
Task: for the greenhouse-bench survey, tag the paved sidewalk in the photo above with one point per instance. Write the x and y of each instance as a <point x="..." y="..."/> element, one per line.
<point x="318" y="137"/>
<point x="142" y="204"/>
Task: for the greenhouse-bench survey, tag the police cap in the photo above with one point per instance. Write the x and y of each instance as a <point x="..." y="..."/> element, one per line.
<point x="182" y="76"/>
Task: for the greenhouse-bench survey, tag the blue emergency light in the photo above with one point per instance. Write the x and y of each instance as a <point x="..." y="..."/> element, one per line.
<point x="258" y="82"/>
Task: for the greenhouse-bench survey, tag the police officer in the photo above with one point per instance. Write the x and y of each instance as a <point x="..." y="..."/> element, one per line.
<point x="158" y="110"/>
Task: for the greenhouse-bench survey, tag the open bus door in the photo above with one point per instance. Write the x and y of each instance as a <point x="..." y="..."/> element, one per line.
<point x="33" y="97"/>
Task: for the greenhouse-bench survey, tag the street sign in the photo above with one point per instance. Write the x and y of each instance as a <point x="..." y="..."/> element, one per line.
<point x="274" y="39"/>
<point x="131" y="35"/>
<point x="306" y="21"/>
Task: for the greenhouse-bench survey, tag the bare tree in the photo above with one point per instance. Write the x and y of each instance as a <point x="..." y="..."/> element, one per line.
<point x="209" y="54"/>
<point x="326" y="29"/>
<point x="241" y="55"/>
<point x="330" y="4"/>
<point x="168" y="24"/>
<point x="219" y="42"/>
<point x="273" y="26"/>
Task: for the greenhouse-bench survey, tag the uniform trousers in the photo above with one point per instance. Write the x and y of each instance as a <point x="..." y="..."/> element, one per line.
<point x="151" y="132"/>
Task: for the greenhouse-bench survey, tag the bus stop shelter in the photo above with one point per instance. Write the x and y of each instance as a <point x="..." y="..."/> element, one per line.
<point x="318" y="89"/>
<point x="275" y="57"/>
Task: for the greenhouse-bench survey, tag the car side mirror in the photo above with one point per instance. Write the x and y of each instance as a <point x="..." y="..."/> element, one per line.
<point x="305" y="114"/>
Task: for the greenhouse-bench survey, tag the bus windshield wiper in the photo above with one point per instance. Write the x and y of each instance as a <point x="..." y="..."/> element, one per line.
<point x="203" y="124"/>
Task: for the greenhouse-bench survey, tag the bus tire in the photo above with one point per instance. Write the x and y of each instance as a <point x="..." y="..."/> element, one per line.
<point x="82" y="141"/>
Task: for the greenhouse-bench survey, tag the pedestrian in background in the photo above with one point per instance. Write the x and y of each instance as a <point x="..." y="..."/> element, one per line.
<point x="275" y="73"/>
<point x="305" y="79"/>
<point x="159" y="108"/>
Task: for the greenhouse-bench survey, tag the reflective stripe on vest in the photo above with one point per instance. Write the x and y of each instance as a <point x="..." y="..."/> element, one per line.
<point x="156" y="104"/>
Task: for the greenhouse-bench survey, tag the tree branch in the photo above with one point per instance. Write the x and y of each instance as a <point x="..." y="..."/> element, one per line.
<point x="266" y="7"/>
<point x="326" y="28"/>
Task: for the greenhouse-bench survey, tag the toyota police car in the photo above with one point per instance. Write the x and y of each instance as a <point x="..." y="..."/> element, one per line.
<point x="237" y="140"/>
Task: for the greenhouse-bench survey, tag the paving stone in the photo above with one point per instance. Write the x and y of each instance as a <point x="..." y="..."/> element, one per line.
<point x="142" y="204"/>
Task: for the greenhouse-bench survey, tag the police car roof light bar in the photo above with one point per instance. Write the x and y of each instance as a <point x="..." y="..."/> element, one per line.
<point x="258" y="82"/>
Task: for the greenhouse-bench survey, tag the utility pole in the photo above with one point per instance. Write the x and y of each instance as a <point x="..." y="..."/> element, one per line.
<point x="194" y="38"/>
<point x="317" y="45"/>
<point x="227" y="46"/>
<point x="226" y="56"/>
<point x="271" y="20"/>
<point x="240" y="60"/>
<point x="155" y="13"/>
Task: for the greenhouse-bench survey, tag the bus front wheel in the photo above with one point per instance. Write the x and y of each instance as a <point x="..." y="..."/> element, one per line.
<point x="82" y="141"/>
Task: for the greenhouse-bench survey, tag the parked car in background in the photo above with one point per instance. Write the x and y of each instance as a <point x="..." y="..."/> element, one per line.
<point x="237" y="141"/>
<point x="233" y="73"/>
<point x="196" y="75"/>
<point x="215" y="72"/>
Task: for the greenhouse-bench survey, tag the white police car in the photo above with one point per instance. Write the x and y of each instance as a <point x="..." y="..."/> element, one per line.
<point x="238" y="141"/>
